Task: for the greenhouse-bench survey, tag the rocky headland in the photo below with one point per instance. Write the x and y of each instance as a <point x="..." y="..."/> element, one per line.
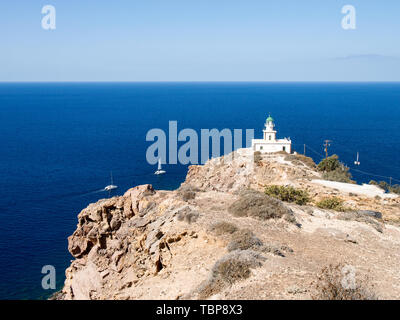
<point x="219" y="236"/>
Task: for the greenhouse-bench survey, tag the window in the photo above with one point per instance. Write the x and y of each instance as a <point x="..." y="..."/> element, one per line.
<point x="261" y="147"/>
<point x="269" y="137"/>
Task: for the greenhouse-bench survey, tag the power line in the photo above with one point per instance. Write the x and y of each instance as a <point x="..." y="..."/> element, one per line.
<point x="316" y="152"/>
<point x="357" y="170"/>
<point x="365" y="159"/>
<point x="308" y="147"/>
<point x="375" y="175"/>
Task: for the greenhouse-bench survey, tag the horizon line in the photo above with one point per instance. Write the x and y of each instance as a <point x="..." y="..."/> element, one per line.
<point x="200" y="81"/>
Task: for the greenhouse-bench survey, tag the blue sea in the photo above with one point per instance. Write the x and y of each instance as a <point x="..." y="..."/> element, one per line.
<point x="60" y="141"/>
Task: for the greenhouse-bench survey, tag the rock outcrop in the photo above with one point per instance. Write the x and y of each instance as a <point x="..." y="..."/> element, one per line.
<point x="154" y="244"/>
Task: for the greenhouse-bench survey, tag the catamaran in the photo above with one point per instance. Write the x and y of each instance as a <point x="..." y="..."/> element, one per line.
<point x="159" y="169"/>
<point x="111" y="186"/>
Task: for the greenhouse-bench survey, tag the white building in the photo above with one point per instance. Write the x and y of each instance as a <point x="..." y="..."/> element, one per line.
<point x="269" y="143"/>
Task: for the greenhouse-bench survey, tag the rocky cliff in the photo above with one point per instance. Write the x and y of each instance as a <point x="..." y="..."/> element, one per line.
<point x="219" y="236"/>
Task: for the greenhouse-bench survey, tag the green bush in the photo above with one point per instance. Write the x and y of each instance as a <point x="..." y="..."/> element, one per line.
<point x="334" y="170"/>
<point x="333" y="203"/>
<point x="288" y="194"/>
<point x="329" y="164"/>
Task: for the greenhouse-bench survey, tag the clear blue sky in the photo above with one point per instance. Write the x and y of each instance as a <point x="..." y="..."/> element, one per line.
<point x="200" y="40"/>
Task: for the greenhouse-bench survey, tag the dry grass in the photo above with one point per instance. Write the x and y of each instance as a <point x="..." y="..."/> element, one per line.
<point x="338" y="175"/>
<point x="387" y="187"/>
<point x="188" y="195"/>
<point x="223" y="227"/>
<point x="256" y="204"/>
<point x="257" y="157"/>
<point x="360" y="217"/>
<point x="338" y="282"/>
<point x="187" y="192"/>
<point x="278" y="250"/>
<point x="243" y="240"/>
<point x="233" y="267"/>
<point x="297" y="159"/>
<point x="188" y="215"/>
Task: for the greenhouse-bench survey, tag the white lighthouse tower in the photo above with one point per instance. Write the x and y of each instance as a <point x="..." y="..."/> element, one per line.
<point x="269" y="143"/>
<point x="269" y="131"/>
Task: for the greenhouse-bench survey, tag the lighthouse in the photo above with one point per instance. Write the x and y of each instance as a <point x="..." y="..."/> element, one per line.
<point x="269" y="131"/>
<point x="270" y="143"/>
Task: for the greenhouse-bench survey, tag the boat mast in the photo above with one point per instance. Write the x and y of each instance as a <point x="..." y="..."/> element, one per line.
<point x="357" y="162"/>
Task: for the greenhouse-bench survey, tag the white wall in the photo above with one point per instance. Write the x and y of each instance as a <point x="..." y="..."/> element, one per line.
<point x="271" y="147"/>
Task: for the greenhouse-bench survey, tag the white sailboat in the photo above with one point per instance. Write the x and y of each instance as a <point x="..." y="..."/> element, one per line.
<point x="357" y="163"/>
<point x="159" y="169"/>
<point x="111" y="186"/>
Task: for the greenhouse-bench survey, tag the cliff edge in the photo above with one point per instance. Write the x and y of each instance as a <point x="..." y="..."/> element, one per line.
<point x="220" y="236"/>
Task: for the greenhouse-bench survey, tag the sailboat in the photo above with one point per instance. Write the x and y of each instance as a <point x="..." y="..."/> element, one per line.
<point x="111" y="186"/>
<point x="159" y="169"/>
<point x="357" y="163"/>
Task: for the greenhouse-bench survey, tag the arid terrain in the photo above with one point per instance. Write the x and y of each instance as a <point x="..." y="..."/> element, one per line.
<point x="220" y="237"/>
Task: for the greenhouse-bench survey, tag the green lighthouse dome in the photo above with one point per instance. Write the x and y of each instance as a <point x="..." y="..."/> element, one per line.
<point x="270" y="119"/>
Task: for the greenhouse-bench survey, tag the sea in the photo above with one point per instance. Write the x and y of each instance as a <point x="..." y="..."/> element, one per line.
<point x="59" y="142"/>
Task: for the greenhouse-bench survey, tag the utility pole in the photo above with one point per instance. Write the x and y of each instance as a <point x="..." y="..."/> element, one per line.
<point x="304" y="149"/>
<point x="327" y="143"/>
<point x="390" y="181"/>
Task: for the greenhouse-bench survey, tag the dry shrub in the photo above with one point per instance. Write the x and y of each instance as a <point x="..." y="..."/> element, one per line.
<point x="188" y="195"/>
<point x="256" y="204"/>
<point x="300" y="159"/>
<point x="243" y="240"/>
<point x="211" y="287"/>
<point x="257" y="157"/>
<point x="188" y="215"/>
<point x="360" y="217"/>
<point x="333" y="203"/>
<point x="223" y="227"/>
<point x="308" y="161"/>
<point x="187" y="192"/>
<point x="277" y="250"/>
<point x="151" y="205"/>
<point x="334" y="282"/>
<point x="339" y="175"/>
<point x="387" y="187"/>
<point x="288" y="194"/>
<point x="233" y="267"/>
<point x="59" y="295"/>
